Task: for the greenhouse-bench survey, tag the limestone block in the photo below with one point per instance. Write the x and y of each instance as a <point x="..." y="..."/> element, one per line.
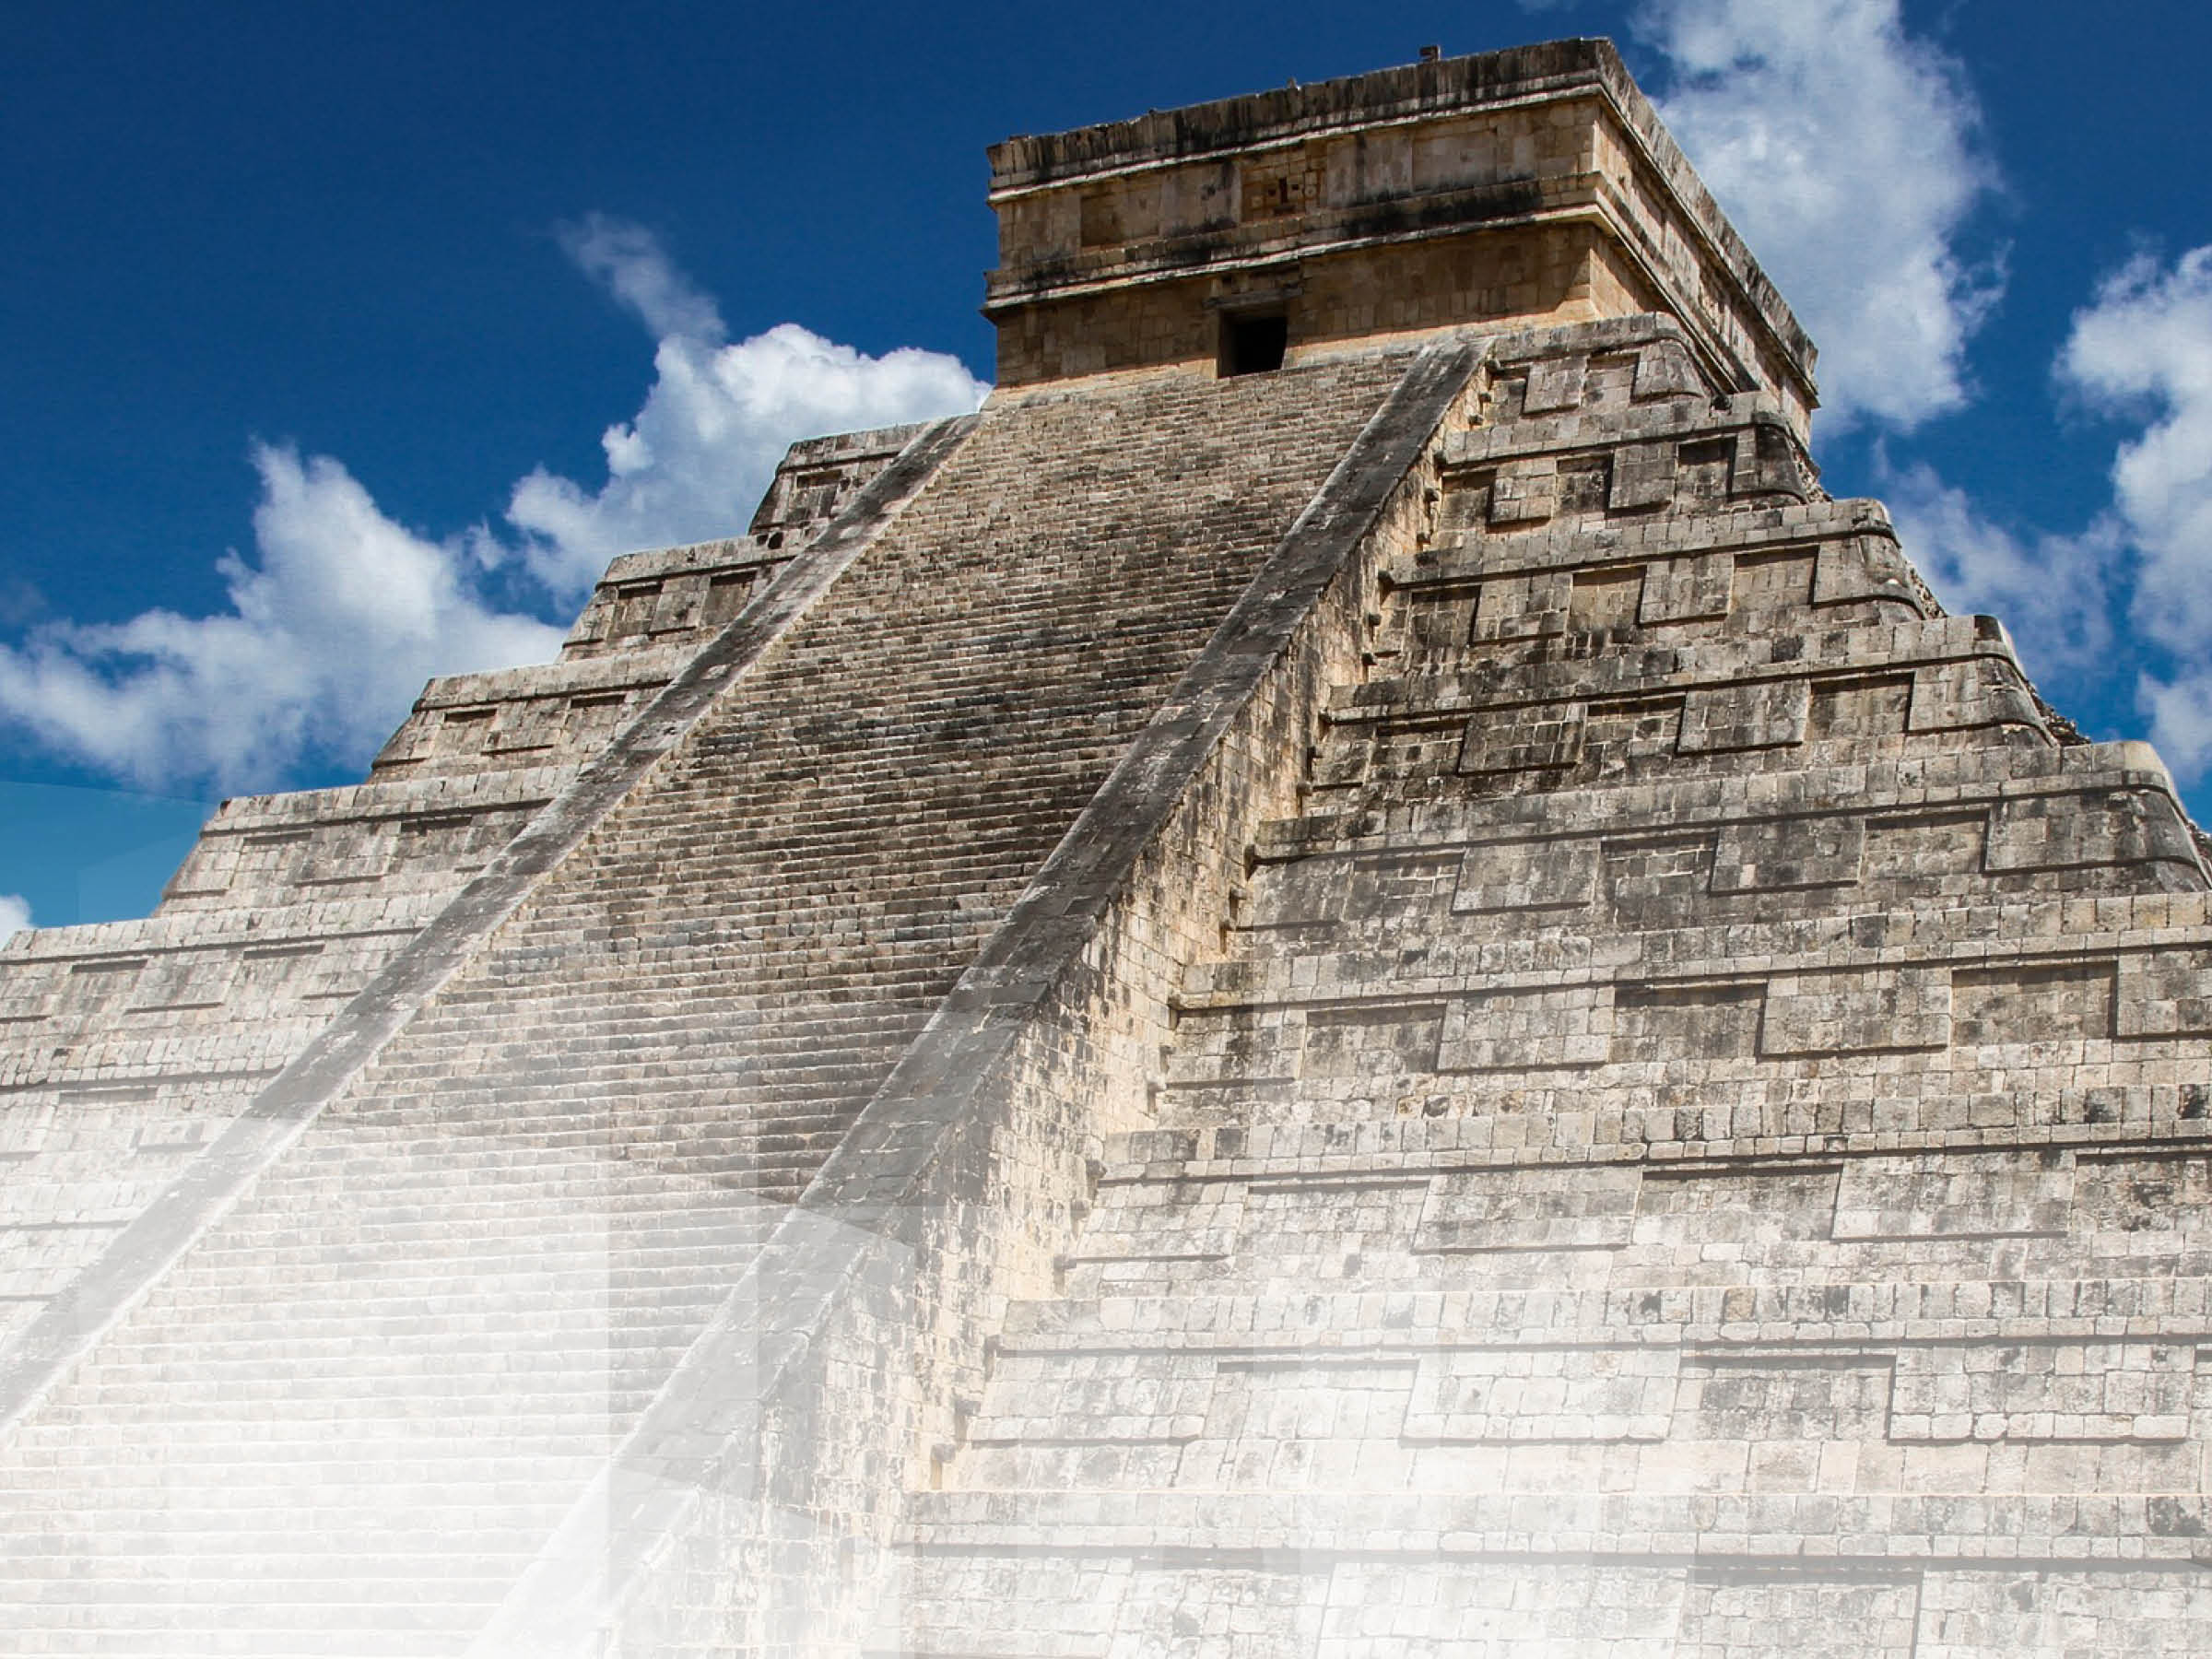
<point x="1524" y="739"/>
<point x="1515" y="1609"/>
<point x="1506" y="1396"/>
<point x="2032" y="1001"/>
<point x="1857" y="1011"/>
<point x="1643" y="476"/>
<point x="1569" y="1027"/>
<point x="1802" y="1399"/>
<point x="2098" y="1391"/>
<point x="1527" y="876"/>
<point x="1302" y="892"/>
<point x="2017" y="1613"/>
<point x="1736" y="1207"/>
<point x="1956" y="1195"/>
<point x="1554" y="383"/>
<point x="1313" y="1421"/>
<point x="1663" y="369"/>
<point x="28" y="990"/>
<point x="1369" y="1041"/>
<point x="1481" y="1211"/>
<point x="187" y="980"/>
<point x="1517" y="607"/>
<point x="1695" y="588"/>
<point x="1750" y="716"/>
<point x="1771" y="854"/>
<point x="1980" y="691"/>
<point x="1862" y="567"/>
<point x="2057" y="832"/>
<point x="1807" y="1615"/>
<point x="1524" y="491"/>
<point x="2165" y="994"/>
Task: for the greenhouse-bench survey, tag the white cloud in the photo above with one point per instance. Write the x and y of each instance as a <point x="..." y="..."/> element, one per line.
<point x="15" y="916"/>
<point x="696" y="457"/>
<point x="330" y="635"/>
<point x="2143" y="349"/>
<point x="1847" y="154"/>
<point x="343" y="614"/>
<point x="2050" y="591"/>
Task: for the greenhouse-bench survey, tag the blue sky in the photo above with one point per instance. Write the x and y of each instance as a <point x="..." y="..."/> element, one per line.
<point x="345" y="343"/>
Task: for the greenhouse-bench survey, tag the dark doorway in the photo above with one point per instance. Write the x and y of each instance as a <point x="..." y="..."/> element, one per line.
<point x="1253" y="342"/>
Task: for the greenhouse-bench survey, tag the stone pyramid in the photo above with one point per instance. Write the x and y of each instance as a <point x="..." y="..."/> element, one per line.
<point x="1351" y="980"/>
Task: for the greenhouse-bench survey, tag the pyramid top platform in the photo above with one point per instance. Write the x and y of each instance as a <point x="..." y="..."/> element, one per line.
<point x="1536" y="184"/>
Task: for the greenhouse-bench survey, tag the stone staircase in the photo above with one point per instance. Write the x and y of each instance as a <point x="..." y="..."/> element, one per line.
<point x="353" y="1411"/>
<point x="1696" y="1144"/>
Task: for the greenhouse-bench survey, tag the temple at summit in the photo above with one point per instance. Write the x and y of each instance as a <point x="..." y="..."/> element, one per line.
<point x="1351" y="980"/>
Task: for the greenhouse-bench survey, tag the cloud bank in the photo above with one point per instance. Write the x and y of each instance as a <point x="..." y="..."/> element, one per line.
<point x="1848" y="153"/>
<point x="15" y="916"/>
<point x="2052" y="591"/>
<point x="694" y="460"/>
<point x="2142" y="351"/>
<point x="341" y="612"/>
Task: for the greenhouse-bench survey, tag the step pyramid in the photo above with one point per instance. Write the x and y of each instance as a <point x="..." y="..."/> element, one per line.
<point x="1352" y="980"/>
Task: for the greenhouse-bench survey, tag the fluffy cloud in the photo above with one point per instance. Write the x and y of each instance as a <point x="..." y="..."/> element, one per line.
<point x="15" y="916"/>
<point x="1847" y="154"/>
<point x="328" y="638"/>
<point x="698" y="454"/>
<point x="2142" y="350"/>
<point x="343" y="613"/>
<point x="2051" y="591"/>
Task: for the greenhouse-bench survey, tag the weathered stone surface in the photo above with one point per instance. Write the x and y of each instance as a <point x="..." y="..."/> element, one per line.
<point x="1410" y="1004"/>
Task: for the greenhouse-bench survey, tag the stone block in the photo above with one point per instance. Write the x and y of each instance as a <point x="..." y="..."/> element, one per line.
<point x="1486" y="1210"/>
<point x="1507" y="876"/>
<point x="1554" y="383"/>
<point x="1643" y="476"/>
<point x="1520" y="607"/>
<point x="1695" y="588"/>
<point x="1513" y="1030"/>
<point x="2165" y="994"/>
<point x="1752" y="715"/>
<point x="1857" y="1011"/>
<point x="2044" y="1391"/>
<point x="1525" y="492"/>
<point x="1524" y="739"/>
<point x="1774" y="854"/>
<point x="1961" y="1195"/>
<point x="1553" y="1395"/>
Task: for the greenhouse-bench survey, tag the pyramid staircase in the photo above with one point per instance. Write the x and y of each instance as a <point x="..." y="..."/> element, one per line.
<point x="373" y="1384"/>
<point x="1697" y="1144"/>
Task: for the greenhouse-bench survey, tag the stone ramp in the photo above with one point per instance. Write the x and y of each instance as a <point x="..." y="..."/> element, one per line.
<point x="356" y="1406"/>
<point x="1693" y="1149"/>
<point x="128" y="1049"/>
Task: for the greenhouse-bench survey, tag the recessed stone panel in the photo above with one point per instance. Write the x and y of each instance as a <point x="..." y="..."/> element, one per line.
<point x="1516" y="607"/>
<point x="1763" y="1614"/>
<point x="1691" y="589"/>
<point x="1771" y="854"/>
<point x="1571" y="1026"/>
<point x="1546" y="875"/>
<point x="2166" y="994"/>
<point x="2047" y="1391"/>
<point x="1643" y="476"/>
<point x="1530" y="739"/>
<point x="1479" y="1210"/>
<point x="1955" y="1195"/>
<point x="1857" y="1011"/>
<point x="1521" y="1395"/>
<point x="1755" y="715"/>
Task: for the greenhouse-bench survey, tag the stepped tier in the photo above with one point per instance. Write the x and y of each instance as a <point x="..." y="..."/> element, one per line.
<point x="1697" y="1144"/>
<point x="1350" y="981"/>
<point x="364" y="1395"/>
